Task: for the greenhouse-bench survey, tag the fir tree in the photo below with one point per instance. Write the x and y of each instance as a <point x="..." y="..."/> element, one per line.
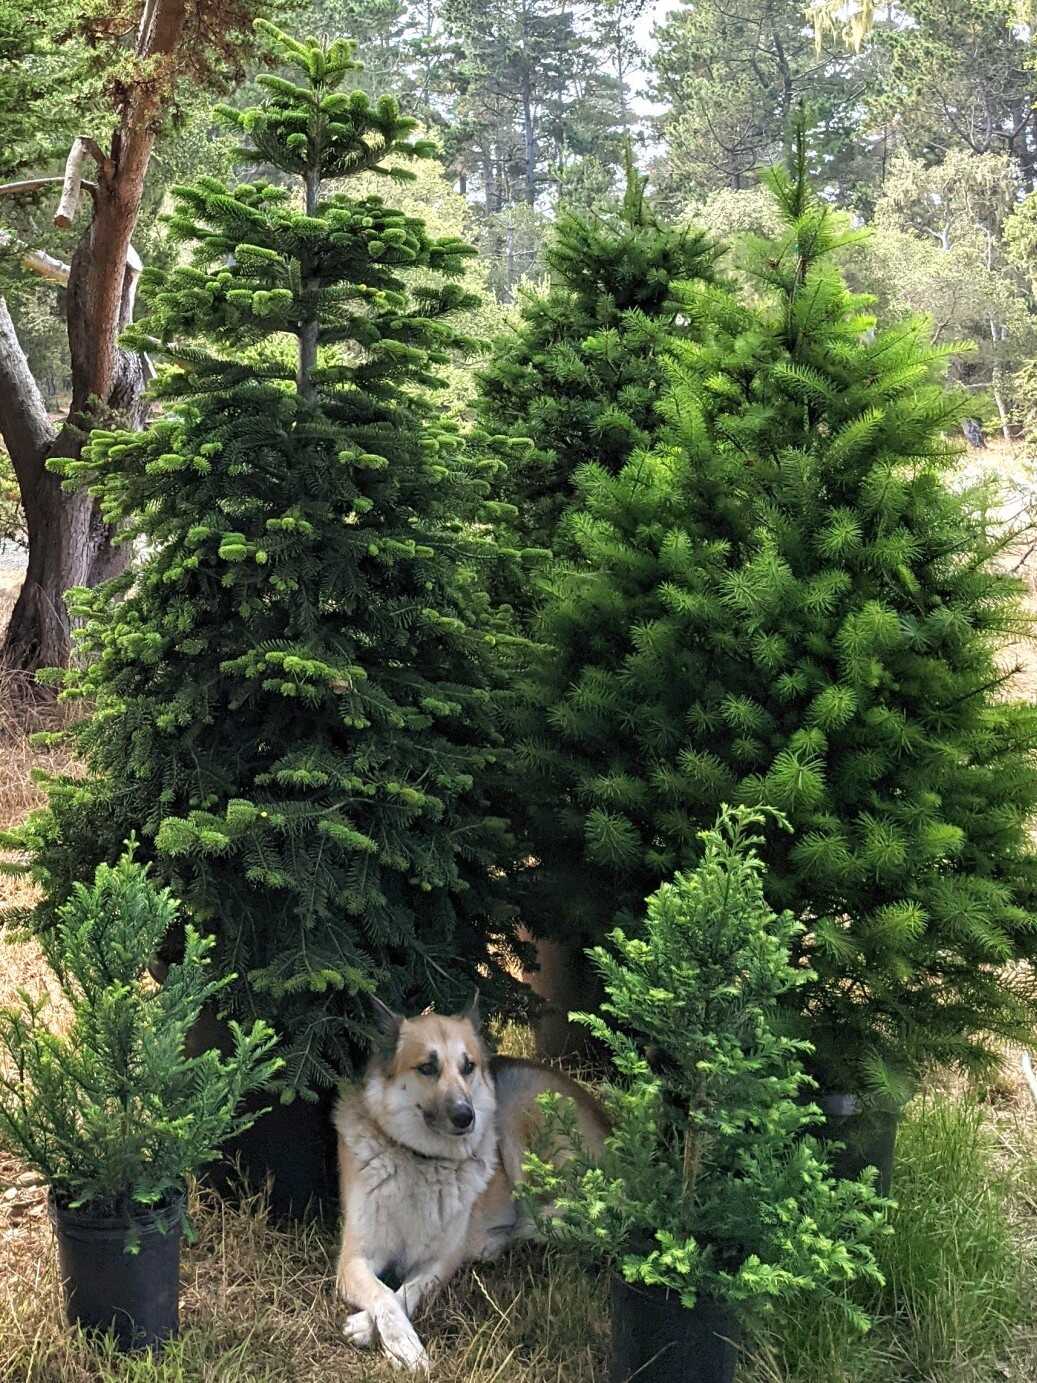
<point x="582" y="375"/>
<point x="795" y="601"/>
<point x="105" y="1104"/>
<point x="707" y="1185"/>
<point x="294" y="699"/>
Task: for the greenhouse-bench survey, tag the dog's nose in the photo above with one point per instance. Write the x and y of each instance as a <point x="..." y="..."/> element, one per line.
<point x="461" y="1115"/>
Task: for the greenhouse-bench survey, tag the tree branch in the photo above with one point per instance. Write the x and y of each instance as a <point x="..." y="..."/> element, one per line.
<point x="15" y="189"/>
<point x="24" y="424"/>
<point x="72" y="183"/>
<point x="38" y="262"/>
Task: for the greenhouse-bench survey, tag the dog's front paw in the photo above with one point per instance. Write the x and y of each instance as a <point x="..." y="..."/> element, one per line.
<point x="359" y="1330"/>
<point x="401" y="1344"/>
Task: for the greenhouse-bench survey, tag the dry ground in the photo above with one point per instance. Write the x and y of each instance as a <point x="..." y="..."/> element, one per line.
<point x="256" y="1302"/>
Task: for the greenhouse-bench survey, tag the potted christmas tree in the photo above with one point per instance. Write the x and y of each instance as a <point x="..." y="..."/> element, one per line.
<point x="709" y="1202"/>
<point x="296" y="692"/>
<point x="109" y="1109"/>
<point x="794" y="599"/>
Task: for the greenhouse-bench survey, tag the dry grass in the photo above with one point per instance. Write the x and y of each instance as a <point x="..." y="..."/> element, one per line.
<point x="256" y="1305"/>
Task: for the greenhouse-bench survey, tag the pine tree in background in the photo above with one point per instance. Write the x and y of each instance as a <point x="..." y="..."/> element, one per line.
<point x="582" y="375"/>
<point x="795" y="602"/>
<point x="293" y="702"/>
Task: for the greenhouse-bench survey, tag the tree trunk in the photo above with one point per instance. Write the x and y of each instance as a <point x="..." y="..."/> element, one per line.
<point x="566" y="982"/>
<point x="529" y="137"/>
<point x="60" y="550"/>
<point x="69" y="544"/>
<point x="490" y="197"/>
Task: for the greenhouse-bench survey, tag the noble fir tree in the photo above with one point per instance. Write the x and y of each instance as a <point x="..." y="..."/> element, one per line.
<point x="582" y="375"/>
<point x="293" y="699"/>
<point x="795" y="602"/>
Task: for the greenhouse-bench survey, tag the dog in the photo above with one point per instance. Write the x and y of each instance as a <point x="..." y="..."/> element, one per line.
<point x="430" y="1149"/>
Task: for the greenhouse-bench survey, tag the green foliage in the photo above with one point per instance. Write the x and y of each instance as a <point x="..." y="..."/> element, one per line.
<point x="956" y="75"/>
<point x="294" y="697"/>
<point x="430" y="197"/>
<point x="12" y="520"/>
<point x="708" y="1185"/>
<point x="50" y="81"/>
<point x="582" y="374"/>
<point x="534" y="97"/>
<point x="728" y="89"/>
<point x="957" y="1270"/>
<point x="794" y="600"/>
<point x="108" y="1107"/>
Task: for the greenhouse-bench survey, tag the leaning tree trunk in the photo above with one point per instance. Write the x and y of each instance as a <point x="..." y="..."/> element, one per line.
<point x="69" y="544"/>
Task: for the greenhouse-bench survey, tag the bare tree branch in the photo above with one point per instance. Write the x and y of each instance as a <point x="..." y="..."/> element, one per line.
<point x="82" y="148"/>
<point x="57" y="271"/>
<point x="38" y="262"/>
<point x="14" y="189"/>
<point x="24" y="424"/>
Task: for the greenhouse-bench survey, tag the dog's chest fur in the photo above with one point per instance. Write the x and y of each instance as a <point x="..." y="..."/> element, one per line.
<point x="411" y="1204"/>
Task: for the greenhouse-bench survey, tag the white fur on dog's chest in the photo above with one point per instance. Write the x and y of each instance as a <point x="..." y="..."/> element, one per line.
<point x="412" y="1204"/>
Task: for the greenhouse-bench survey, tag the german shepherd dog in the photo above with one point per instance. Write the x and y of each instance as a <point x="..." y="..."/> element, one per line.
<point x="430" y="1148"/>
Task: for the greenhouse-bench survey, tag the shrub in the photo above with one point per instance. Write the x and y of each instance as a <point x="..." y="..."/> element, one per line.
<point x="294" y="696"/>
<point x="793" y="600"/>
<point x="582" y="374"/>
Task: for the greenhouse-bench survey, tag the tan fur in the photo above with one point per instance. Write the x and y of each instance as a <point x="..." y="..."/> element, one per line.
<point x="419" y="1196"/>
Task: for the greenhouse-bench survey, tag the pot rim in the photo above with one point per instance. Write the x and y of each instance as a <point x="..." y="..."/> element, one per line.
<point x="672" y="1297"/>
<point x="79" y="1223"/>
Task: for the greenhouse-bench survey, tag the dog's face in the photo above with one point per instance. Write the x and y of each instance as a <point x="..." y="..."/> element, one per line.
<point x="431" y="1089"/>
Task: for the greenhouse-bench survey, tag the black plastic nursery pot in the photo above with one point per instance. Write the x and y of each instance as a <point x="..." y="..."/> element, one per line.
<point x="135" y="1297"/>
<point x="289" y="1152"/>
<point x="869" y="1135"/>
<point x="657" y="1340"/>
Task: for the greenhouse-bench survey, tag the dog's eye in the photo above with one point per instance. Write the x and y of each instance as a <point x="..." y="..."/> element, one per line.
<point x="467" y="1066"/>
<point x="428" y="1068"/>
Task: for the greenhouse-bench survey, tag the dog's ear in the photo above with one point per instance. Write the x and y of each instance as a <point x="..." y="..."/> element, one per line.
<point x="472" y="1012"/>
<point x="387" y="1022"/>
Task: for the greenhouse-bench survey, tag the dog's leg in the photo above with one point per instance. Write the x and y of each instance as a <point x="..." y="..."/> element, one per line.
<point x="385" y="1315"/>
<point x="362" y="1328"/>
<point x="357" y="1282"/>
<point x="427" y="1281"/>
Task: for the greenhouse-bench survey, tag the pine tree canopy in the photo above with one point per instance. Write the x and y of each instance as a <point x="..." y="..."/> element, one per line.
<point x="796" y="601"/>
<point x="294" y="699"/>
<point x="582" y="375"/>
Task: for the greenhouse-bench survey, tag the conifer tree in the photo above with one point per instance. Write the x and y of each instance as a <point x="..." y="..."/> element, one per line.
<point x="708" y="1106"/>
<point x="294" y="700"/>
<point x="582" y="375"/>
<point x="795" y="602"/>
